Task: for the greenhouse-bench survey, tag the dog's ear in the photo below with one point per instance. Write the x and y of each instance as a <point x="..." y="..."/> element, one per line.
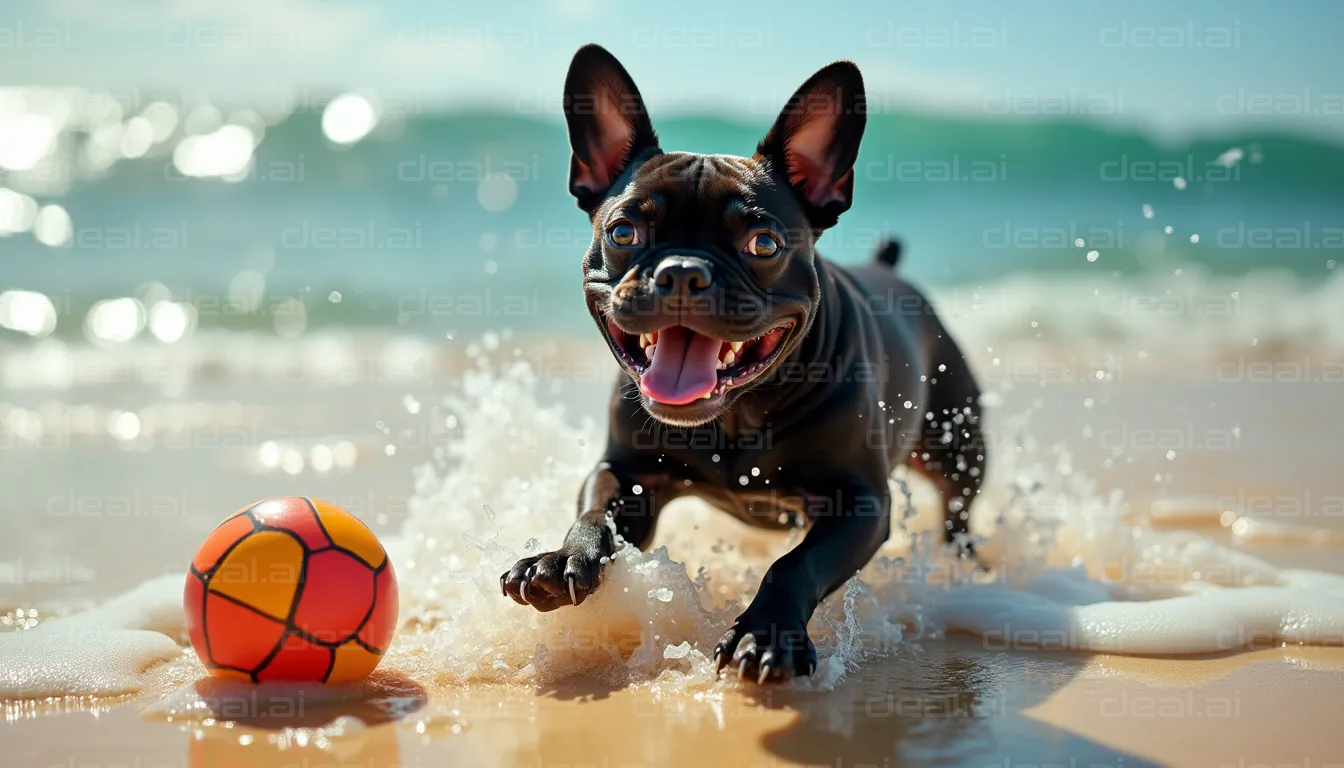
<point x="815" y="140"/>
<point x="608" y="125"/>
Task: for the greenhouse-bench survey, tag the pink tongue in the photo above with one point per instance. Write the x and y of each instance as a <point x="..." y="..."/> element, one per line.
<point x="684" y="367"/>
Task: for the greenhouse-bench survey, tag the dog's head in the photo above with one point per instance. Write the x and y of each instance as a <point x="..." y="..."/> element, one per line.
<point x="702" y="273"/>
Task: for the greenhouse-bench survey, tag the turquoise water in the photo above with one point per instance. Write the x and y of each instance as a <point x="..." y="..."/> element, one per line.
<point x="417" y="222"/>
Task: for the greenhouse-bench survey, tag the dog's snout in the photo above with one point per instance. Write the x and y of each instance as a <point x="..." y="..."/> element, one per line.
<point x="684" y="275"/>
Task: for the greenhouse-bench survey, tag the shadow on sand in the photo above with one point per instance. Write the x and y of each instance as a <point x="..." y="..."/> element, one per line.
<point x="950" y="703"/>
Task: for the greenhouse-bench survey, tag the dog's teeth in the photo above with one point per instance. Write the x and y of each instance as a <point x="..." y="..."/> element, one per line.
<point x="729" y="358"/>
<point x="643" y="340"/>
<point x="720" y="365"/>
<point x="649" y="350"/>
<point x="737" y="346"/>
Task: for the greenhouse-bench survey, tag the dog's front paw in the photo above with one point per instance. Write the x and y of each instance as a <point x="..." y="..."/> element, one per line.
<point x="550" y="580"/>
<point x="766" y="646"/>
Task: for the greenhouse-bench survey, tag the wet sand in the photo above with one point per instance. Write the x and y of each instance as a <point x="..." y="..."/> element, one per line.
<point x="947" y="703"/>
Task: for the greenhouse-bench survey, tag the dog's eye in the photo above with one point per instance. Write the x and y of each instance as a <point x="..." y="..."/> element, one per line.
<point x="623" y="234"/>
<point x="763" y="244"/>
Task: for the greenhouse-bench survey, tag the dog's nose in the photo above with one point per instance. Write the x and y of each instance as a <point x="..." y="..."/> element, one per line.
<point x="685" y="275"/>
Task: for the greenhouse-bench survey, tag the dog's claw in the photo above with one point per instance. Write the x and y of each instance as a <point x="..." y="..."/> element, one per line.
<point x="502" y="587"/>
<point x="572" y="598"/>
<point x="765" y="649"/>
<point x="765" y="672"/>
<point x="523" y="592"/>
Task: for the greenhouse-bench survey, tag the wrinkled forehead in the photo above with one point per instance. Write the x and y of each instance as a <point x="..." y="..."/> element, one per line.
<point x="689" y="187"/>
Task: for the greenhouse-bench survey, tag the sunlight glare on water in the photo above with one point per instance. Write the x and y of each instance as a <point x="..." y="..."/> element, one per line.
<point x="115" y="320"/>
<point x="348" y="118"/>
<point x="17" y="212"/>
<point x="24" y="140"/>
<point x="225" y="152"/>
<point x="27" y="312"/>
<point x="52" y="226"/>
<point x="169" y="321"/>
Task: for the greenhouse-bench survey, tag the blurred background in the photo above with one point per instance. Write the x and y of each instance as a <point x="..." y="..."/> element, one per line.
<point x="244" y="244"/>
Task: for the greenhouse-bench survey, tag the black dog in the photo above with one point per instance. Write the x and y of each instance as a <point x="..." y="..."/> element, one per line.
<point x="783" y="388"/>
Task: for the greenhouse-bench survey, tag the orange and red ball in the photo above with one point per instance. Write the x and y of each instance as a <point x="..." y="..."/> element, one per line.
<point x="291" y="589"/>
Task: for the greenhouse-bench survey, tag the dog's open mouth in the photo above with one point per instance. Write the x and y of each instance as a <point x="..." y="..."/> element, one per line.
<point x="678" y="366"/>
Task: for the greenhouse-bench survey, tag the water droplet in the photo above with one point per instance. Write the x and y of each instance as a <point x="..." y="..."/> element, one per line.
<point x="677" y="651"/>
<point x="489" y="512"/>
<point x="1092" y="256"/>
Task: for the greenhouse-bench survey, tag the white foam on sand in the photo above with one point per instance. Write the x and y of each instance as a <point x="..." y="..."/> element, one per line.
<point x="102" y="651"/>
<point x="1065" y="572"/>
<point x="70" y="662"/>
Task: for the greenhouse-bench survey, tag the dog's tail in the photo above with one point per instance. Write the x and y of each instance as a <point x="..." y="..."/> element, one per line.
<point x="889" y="253"/>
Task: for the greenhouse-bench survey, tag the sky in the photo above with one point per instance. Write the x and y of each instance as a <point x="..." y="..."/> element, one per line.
<point x="1174" y="69"/>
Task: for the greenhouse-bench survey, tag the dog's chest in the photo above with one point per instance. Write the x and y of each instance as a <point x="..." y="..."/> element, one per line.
<point x="747" y="486"/>
<point x="761" y="508"/>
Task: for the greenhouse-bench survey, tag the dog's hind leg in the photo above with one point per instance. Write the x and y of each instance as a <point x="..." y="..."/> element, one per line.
<point x="951" y="452"/>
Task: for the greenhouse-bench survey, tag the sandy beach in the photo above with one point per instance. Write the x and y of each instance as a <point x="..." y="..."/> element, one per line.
<point x="934" y="696"/>
<point x="947" y="703"/>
